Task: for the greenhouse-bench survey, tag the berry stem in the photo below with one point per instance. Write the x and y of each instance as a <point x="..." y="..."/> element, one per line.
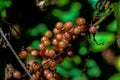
<point x="103" y="18"/>
<point x="15" y="54"/>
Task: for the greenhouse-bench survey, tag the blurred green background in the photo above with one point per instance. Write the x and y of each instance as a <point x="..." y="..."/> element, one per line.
<point x="33" y="23"/>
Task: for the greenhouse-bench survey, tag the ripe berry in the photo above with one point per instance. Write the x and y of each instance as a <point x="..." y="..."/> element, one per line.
<point x="66" y="35"/>
<point x="70" y="54"/>
<point x="45" y="72"/>
<point x="29" y="48"/>
<point x="92" y="29"/>
<point x="45" y="63"/>
<point x="51" y="53"/>
<point x="76" y="30"/>
<point x="17" y="75"/>
<point x="41" y="53"/>
<point x="44" y="38"/>
<point x="49" y="76"/>
<point x="56" y="31"/>
<point x="54" y="42"/>
<point x="35" y="66"/>
<point x="80" y="21"/>
<point x="74" y="37"/>
<point x="62" y="44"/>
<point x="41" y="47"/>
<point x="47" y="43"/>
<point x="58" y="36"/>
<point x="82" y="28"/>
<point x="48" y="34"/>
<point x="67" y="26"/>
<point x="23" y="54"/>
<point x="34" y="52"/>
<point x="59" y="25"/>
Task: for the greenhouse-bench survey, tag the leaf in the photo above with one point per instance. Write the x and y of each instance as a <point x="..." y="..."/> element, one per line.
<point x="117" y="17"/>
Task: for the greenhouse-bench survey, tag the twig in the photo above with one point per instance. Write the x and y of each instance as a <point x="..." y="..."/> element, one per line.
<point x="51" y="59"/>
<point x="10" y="24"/>
<point x="15" y="54"/>
<point x="103" y="18"/>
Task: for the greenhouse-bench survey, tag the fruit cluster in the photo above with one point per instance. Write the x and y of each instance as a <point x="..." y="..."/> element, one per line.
<point x="60" y="40"/>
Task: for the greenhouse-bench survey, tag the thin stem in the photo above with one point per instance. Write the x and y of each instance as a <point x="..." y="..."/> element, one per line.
<point x="15" y="54"/>
<point x="103" y="18"/>
<point x="5" y="21"/>
<point x="51" y="59"/>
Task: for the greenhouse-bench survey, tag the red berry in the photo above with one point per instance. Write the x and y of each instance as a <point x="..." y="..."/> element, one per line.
<point x="41" y="54"/>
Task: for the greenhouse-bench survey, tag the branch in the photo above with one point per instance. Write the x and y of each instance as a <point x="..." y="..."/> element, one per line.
<point x="15" y="54"/>
<point x="103" y="18"/>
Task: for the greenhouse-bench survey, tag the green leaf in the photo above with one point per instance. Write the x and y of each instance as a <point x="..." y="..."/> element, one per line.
<point x="117" y="15"/>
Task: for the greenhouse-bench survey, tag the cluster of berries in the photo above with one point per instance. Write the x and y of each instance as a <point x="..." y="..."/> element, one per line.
<point x="60" y="40"/>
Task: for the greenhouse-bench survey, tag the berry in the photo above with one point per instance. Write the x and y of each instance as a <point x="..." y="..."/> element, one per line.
<point x="41" y="47"/>
<point x="58" y="36"/>
<point x="56" y="31"/>
<point x="70" y="54"/>
<point x="23" y="54"/>
<point x="67" y="26"/>
<point x="34" y="52"/>
<point x="51" y="53"/>
<point x="82" y="28"/>
<point x="48" y="34"/>
<point x="16" y="74"/>
<point x="54" y="42"/>
<point x="80" y="21"/>
<point x="47" y="43"/>
<point x="35" y="66"/>
<point x="59" y="25"/>
<point x="92" y="29"/>
<point x="62" y="44"/>
<point x="44" y="38"/>
<point x="66" y="35"/>
<point x="45" y="72"/>
<point x="41" y="53"/>
<point x="76" y="31"/>
<point x="49" y="76"/>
